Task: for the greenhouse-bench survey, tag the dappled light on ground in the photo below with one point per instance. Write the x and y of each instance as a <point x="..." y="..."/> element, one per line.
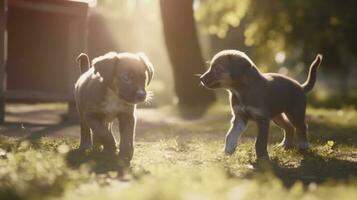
<point x="180" y="159"/>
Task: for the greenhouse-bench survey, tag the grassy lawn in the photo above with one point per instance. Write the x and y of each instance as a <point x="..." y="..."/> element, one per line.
<point x="185" y="160"/>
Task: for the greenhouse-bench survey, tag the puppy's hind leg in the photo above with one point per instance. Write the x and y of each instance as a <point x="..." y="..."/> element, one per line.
<point x="238" y="126"/>
<point x="297" y="118"/>
<point x="282" y="121"/>
<point x="97" y="143"/>
<point x="101" y="133"/>
<point x="86" y="138"/>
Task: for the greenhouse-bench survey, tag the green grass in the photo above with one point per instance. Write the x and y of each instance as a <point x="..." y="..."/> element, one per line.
<point x="186" y="161"/>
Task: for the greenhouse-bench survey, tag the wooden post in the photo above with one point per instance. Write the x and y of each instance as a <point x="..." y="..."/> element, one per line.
<point x="3" y="8"/>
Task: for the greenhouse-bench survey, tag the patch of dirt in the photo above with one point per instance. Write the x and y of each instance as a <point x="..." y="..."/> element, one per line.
<point x="38" y="120"/>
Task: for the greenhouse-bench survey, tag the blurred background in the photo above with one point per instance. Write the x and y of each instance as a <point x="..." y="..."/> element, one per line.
<point x="180" y="135"/>
<point x="280" y="36"/>
<point x="43" y="37"/>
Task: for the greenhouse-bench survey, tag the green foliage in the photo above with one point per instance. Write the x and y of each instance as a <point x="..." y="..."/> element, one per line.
<point x="218" y="16"/>
<point x="299" y="28"/>
<point x="30" y="173"/>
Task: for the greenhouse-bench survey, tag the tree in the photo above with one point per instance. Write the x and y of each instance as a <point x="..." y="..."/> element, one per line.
<point x="3" y="6"/>
<point x="185" y="55"/>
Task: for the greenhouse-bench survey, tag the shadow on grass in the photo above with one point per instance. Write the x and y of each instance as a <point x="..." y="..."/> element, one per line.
<point x="97" y="162"/>
<point x="312" y="169"/>
<point x="322" y="131"/>
<point x="33" y="131"/>
<point x="9" y="193"/>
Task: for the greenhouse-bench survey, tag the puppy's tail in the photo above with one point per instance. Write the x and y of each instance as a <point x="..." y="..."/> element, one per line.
<point x="83" y="61"/>
<point x="311" y="79"/>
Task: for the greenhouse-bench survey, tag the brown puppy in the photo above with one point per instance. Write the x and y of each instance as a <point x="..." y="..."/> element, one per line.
<point x="260" y="97"/>
<point x="110" y="90"/>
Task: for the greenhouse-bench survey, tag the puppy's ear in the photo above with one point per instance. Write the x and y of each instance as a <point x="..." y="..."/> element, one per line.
<point x="239" y="67"/>
<point x="105" y="65"/>
<point x="148" y="64"/>
<point x="233" y="69"/>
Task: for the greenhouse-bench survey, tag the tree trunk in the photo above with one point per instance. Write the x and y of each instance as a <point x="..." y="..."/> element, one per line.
<point x="2" y="58"/>
<point x="184" y="53"/>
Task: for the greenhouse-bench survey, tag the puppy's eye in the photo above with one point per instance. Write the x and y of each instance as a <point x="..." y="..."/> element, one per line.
<point x="217" y="70"/>
<point x="125" y="79"/>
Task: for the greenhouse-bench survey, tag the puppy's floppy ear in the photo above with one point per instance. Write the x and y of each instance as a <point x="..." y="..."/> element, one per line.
<point x="148" y="64"/>
<point x="238" y="67"/>
<point x="105" y="65"/>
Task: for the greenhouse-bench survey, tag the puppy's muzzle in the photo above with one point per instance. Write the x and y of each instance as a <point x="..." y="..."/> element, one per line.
<point x="209" y="81"/>
<point x="134" y="97"/>
<point x="140" y="96"/>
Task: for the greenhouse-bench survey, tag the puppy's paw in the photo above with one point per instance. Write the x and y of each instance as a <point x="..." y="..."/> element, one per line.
<point x="303" y="146"/>
<point x="85" y="148"/>
<point x="286" y="146"/>
<point x="263" y="163"/>
<point x="123" y="163"/>
<point x="231" y="144"/>
<point x="229" y="149"/>
<point x="98" y="148"/>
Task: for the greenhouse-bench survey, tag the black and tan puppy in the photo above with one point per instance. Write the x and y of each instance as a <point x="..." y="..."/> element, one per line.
<point x="109" y="90"/>
<point x="260" y="97"/>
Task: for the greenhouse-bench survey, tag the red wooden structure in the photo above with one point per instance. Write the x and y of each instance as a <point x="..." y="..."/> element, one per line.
<point x="43" y="38"/>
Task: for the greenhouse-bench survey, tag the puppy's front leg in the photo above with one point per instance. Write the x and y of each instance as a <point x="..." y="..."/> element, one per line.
<point x="262" y="139"/>
<point x="238" y="126"/>
<point x="127" y="130"/>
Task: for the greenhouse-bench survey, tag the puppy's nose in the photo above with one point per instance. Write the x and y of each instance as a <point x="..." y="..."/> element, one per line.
<point x="140" y="95"/>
